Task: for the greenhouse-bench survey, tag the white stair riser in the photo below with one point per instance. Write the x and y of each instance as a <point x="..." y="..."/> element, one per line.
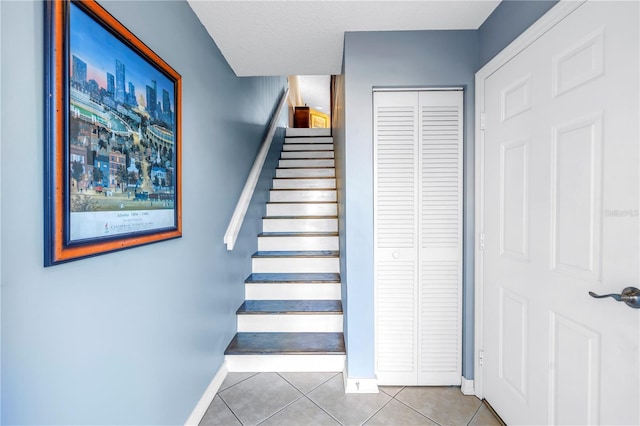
<point x="297" y="163"/>
<point x="321" y="323"/>
<point x="295" y="264"/>
<point x="302" y="209"/>
<point x="300" y="225"/>
<point x="309" y="183"/>
<point x="297" y="291"/>
<point x="308" y="140"/>
<point x="307" y="147"/>
<point x="306" y="154"/>
<point x="303" y="132"/>
<point x="302" y="195"/>
<point x="285" y="363"/>
<point x="297" y="243"/>
<point x="314" y="172"/>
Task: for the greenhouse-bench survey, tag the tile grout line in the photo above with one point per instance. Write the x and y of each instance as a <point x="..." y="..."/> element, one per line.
<point x="378" y="410"/>
<point x="413" y="409"/>
<point x="312" y="389"/>
<point x="229" y="408"/>
<point x="323" y="410"/>
<point x="305" y="395"/>
<point x="476" y="413"/>
<point x="235" y="384"/>
<point x="283" y="408"/>
<point x="218" y="394"/>
<point x="302" y="395"/>
<point x="318" y="405"/>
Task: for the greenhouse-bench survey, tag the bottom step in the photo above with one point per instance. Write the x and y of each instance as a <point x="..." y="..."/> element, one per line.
<point x="286" y="344"/>
<point x="286" y="352"/>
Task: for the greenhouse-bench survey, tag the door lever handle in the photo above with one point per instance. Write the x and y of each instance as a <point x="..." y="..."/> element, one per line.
<point x="630" y="296"/>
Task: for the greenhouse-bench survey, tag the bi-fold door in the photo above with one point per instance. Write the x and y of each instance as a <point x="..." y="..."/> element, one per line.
<point x="418" y="236"/>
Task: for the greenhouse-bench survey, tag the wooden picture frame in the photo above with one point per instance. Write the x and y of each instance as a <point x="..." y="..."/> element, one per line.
<point x="112" y="142"/>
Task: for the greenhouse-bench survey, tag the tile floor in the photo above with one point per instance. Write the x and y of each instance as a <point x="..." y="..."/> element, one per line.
<point x="319" y="399"/>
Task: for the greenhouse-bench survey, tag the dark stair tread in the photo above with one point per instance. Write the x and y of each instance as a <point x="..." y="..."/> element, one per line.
<point x="306" y="151"/>
<point x="304" y="140"/>
<point x="304" y="168"/>
<point x="297" y="253"/>
<point x="315" y="148"/>
<point x="298" y="234"/>
<point x="286" y="344"/>
<point x="293" y="307"/>
<point x="307" y="136"/>
<point x="307" y="167"/>
<point x="305" y="277"/>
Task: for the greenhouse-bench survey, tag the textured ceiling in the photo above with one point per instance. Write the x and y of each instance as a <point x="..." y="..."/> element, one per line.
<point x="300" y="37"/>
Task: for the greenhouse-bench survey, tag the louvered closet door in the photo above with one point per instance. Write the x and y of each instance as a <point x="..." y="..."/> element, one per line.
<point x="440" y="212"/>
<point x="418" y="196"/>
<point x="396" y="231"/>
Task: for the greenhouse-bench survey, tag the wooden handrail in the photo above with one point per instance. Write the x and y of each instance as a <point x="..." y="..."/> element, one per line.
<point x="250" y="185"/>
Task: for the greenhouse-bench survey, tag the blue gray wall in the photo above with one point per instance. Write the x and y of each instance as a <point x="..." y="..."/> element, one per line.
<point x="132" y="337"/>
<point x="406" y="59"/>
<point x="506" y="23"/>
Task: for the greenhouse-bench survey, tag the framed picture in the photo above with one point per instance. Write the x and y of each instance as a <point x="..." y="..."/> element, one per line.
<point x="112" y="136"/>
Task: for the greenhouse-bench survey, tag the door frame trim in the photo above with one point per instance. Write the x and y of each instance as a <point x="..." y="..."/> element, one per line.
<point x="528" y="37"/>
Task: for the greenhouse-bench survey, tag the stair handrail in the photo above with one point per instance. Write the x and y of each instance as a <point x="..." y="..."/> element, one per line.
<point x="252" y="180"/>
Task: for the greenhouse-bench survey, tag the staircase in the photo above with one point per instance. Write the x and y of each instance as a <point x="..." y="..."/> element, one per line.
<point x="291" y="319"/>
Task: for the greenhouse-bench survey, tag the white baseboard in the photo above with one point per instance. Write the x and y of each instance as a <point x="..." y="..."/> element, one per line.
<point x="467" y="387"/>
<point x="207" y="397"/>
<point x="355" y="385"/>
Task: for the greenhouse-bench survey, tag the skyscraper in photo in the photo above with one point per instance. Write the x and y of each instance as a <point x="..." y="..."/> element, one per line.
<point x="131" y="95"/>
<point x="120" y="84"/>
<point x="78" y="70"/>
<point x="111" y="84"/>
<point x="152" y="98"/>
<point x="166" y="107"/>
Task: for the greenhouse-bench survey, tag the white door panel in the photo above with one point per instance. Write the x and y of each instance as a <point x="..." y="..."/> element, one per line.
<point x="440" y="238"/>
<point x="561" y="200"/>
<point x="396" y="228"/>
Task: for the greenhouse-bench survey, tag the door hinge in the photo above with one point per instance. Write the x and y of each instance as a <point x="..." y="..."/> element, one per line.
<point x="482" y="241"/>
<point x="482" y="120"/>
<point x="481" y="358"/>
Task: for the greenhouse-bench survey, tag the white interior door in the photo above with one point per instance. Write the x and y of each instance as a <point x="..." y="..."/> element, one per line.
<point x="560" y="189"/>
<point x="418" y="236"/>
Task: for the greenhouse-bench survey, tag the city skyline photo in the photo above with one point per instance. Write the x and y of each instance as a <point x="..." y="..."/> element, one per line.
<point x="96" y="47"/>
